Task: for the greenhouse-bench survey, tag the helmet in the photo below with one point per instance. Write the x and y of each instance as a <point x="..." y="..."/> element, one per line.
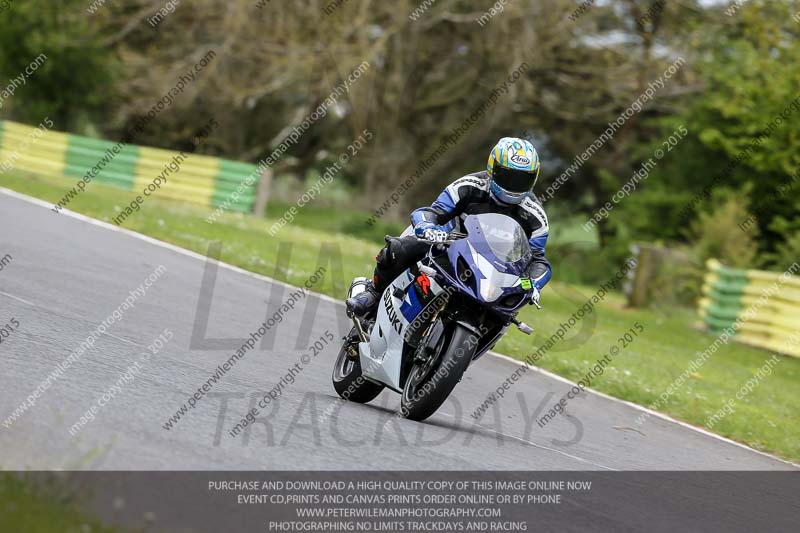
<point x="513" y="168"/>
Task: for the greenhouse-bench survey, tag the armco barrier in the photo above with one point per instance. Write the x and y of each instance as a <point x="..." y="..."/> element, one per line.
<point x="199" y="179"/>
<point x="774" y="322"/>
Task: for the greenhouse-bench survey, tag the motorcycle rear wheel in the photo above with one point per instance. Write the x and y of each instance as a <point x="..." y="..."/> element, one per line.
<point x="347" y="378"/>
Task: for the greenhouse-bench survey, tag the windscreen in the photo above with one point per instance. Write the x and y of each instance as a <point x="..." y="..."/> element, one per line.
<point x="505" y="237"/>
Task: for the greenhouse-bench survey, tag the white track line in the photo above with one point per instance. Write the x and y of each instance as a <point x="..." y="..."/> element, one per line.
<point x="535" y="445"/>
<point x="106" y="225"/>
<point x="72" y="316"/>
<point x="17" y="298"/>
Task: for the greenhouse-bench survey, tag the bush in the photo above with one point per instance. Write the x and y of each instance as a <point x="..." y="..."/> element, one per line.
<point x="581" y="263"/>
<point x="719" y="234"/>
<point x="676" y="277"/>
<point x="787" y="252"/>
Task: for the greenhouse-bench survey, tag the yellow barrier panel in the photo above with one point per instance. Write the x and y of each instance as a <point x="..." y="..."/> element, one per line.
<point x="762" y="307"/>
<point x="186" y="175"/>
<point x="33" y="149"/>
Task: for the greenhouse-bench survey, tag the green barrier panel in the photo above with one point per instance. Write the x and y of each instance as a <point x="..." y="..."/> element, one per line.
<point x="231" y="177"/>
<point x="726" y="299"/>
<point x="722" y="312"/>
<point x="117" y="170"/>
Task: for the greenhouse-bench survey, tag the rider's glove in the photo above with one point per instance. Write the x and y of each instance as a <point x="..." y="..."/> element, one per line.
<point x="430" y="231"/>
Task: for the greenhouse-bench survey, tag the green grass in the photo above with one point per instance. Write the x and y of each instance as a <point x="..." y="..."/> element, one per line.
<point x="766" y="419"/>
<point x="337" y="220"/>
<point x="41" y="510"/>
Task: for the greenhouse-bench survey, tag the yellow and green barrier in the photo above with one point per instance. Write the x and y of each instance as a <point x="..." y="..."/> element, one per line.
<point x="765" y="304"/>
<point x="199" y="179"/>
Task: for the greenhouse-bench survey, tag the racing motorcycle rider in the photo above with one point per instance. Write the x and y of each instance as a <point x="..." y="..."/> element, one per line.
<point x="505" y="187"/>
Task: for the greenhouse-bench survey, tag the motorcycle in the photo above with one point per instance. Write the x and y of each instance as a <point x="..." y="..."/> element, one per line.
<point x="438" y="317"/>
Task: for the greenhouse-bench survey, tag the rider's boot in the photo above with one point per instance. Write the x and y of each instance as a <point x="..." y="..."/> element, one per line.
<point x="365" y="304"/>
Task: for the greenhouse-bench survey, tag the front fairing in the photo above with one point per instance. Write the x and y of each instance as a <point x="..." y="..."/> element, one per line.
<point x="490" y="263"/>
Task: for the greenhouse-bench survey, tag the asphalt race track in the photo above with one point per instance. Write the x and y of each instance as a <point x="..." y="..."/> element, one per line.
<point x="68" y="274"/>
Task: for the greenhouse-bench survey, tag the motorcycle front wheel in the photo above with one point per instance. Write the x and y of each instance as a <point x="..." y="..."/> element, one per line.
<point x="431" y="382"/>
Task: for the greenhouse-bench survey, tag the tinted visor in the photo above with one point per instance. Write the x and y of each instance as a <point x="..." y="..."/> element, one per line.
<point x="512" y="180"/>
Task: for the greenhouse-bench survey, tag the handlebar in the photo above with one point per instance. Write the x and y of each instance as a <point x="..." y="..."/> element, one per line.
<point x="426" y="241"/>
<point x="452" y="237"/>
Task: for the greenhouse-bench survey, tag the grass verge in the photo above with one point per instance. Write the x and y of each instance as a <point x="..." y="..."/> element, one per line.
<point x="766" y="418"/>
<point x="24" y="508"/>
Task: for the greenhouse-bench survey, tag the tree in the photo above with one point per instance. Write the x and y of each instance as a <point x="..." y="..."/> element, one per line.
<point x="743" y="131"/>
<point x="71" y="83"/>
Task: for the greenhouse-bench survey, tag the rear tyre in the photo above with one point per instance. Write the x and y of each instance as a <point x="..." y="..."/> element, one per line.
<point x="347" y="379"/>
<point x="430" y="383"/>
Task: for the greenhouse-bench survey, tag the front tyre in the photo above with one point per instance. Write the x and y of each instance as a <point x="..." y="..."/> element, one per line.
<point x="348" y="381"/>
<point x="430" y="383"/>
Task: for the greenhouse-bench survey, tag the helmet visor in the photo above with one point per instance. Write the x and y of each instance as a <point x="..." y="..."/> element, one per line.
<point x="513" y="180"/>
